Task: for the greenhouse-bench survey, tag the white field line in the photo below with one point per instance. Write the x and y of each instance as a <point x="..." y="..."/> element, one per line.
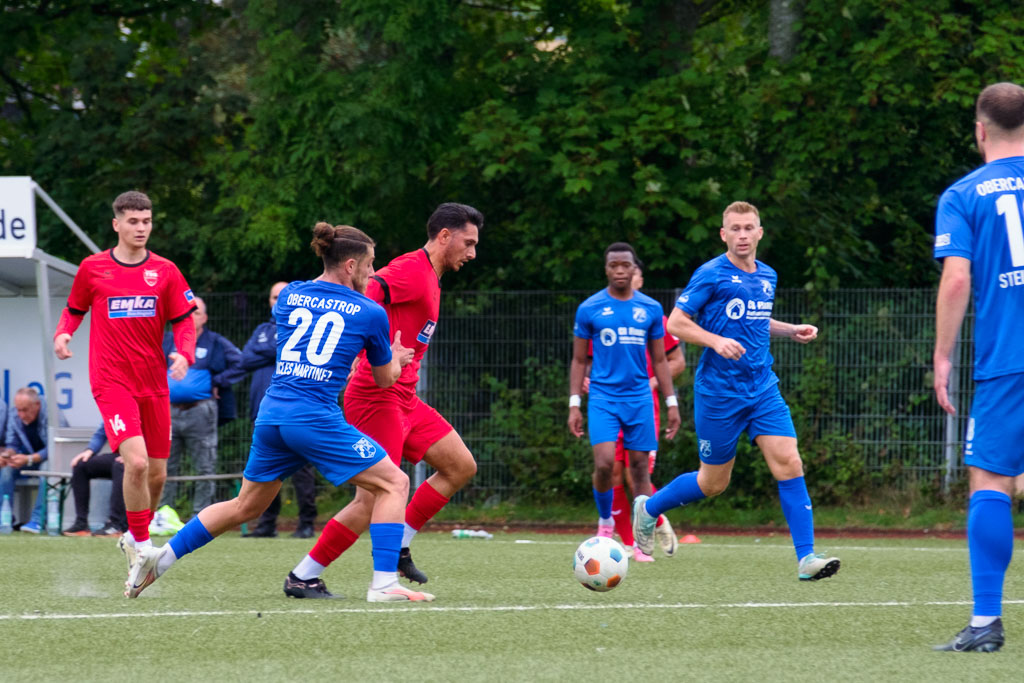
<point x="712" y="545"/>
<point x="502" y="608"/>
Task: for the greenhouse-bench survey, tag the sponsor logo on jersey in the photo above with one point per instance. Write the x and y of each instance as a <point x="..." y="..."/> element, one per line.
<point x="189" y="296"/>
<point x="364" y="448"/>
<point x="942" y="240"/>
<point x="735" y="309"/>
<point x="684" y="298"/>
<point x="705" y="448"/>
<point x="607" y="310"/>
<point x="736" y="279"/>
<point x="150" y="277"/>
<point x="427" y="332"/>
<point x="639" y="314"/>
<point x="608" y="336"/>
<point x="767" y="288"/>
<point x="131" y="306"/>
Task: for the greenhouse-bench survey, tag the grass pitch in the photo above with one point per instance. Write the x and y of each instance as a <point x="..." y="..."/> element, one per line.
<point x="507" y="609"/>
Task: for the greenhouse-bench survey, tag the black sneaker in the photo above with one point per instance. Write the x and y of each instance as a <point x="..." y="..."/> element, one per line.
<point x="261" y="533"/>
<point x="407" y="569"/>
<point x="77" y="529"/>
<point x="304" y="531"/>
<point x="109" y="530"/>
<point x="984" y="639"/>
<point x="314" y="588"/>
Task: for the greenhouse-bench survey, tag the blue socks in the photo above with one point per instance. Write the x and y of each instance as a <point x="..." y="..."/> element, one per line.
<point x="603" y="499"/>
<point x="990" y="540"/>
<point x="387" y="542"/>
<point x="796" y="506"/>
<point x="681" y="491"/>
<point x="192" y="536"/>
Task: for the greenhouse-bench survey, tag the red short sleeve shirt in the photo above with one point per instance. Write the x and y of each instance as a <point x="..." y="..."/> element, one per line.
<point x="131" y="304"/>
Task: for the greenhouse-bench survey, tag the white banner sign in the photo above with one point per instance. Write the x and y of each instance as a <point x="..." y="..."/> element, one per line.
<point x="22" y="346"/>
<point x="17" y="216"/>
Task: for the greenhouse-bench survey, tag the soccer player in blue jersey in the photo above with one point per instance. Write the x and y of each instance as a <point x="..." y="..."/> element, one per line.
<point x="625" y="325"/>
<point x="735" y="389"/>
<point x="322" y="325"/>
<point x="980" y="240"/>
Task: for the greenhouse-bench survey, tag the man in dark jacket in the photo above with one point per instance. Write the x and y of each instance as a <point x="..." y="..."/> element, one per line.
<point x="194" y="406"/>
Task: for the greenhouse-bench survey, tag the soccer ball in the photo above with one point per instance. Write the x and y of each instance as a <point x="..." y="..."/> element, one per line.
<point x="600" y="564"/>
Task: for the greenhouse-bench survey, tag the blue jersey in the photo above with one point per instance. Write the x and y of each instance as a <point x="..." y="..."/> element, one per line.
<point x="736" y="304"/>
<point x="321" y="328"/>
<point x="979" y="218"/>
<point x="620" y="331"/>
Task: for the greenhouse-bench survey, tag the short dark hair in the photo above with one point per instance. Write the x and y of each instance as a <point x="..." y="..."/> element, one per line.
<point x="1002" y="105"/>
<point x="454" y="217"/>
<point x="621" y="246"/>
<point x="133" y="200"/>
<point x="338" y="243"/>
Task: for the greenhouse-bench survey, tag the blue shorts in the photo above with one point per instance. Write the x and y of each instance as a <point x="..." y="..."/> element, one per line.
<point x="336" y="448"/>
<point x="634" y="418"/>
<point x="721" y="420"/>
<point x="995" y="433"/>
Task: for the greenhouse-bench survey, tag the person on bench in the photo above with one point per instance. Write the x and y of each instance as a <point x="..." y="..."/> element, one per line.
<point x="91" y="464"/>
<point x="25" y="442"/>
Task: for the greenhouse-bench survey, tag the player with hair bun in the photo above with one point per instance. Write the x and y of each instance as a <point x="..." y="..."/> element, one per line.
<point x="322" y="325"/>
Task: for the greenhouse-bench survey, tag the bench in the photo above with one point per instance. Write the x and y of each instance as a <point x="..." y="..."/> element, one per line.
<point x="62" y="484"/>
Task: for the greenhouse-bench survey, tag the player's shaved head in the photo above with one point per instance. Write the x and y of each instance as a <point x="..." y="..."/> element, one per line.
<point x="1001" y="108"/>
<point x="131" y="201"/>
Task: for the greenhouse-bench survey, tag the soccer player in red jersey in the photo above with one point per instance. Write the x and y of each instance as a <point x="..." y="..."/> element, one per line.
<point x="133" y="294"/>
<point x="409" y="289"/>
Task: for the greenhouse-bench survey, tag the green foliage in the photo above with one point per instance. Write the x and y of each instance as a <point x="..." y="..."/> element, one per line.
<point x="527" y="432"/>
<point x="570" y="124"/>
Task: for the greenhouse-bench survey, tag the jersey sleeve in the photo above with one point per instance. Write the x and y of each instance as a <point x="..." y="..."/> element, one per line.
<point x="400" y="282"/>
<point x="581" y="327"/>
<point x="378" y="345"/>
<point x="80" y="298"/>
<point x="657" y="324"/>
<point x="698" y="292"/>
<point x="179" y="298"/>
<point x="952" y="231"/>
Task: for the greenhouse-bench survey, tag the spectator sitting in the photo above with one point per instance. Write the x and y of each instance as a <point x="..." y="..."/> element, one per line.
<point x="91" y="464"/>
<point x="25" y="438"/>
<point x="195" y="408"/>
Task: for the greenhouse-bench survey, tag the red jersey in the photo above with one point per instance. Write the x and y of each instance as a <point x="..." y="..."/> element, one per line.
<point x="410" y="292"/>
<point x="131" y="304"/>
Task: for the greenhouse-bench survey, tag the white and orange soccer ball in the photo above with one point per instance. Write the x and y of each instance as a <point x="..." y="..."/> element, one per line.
<point x="600" y="564"/>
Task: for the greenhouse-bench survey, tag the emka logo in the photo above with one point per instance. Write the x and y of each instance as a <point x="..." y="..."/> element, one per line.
<point x="131" y="306"/>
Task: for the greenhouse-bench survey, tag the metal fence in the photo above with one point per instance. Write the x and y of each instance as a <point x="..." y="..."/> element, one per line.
<point x="866" y="378"/>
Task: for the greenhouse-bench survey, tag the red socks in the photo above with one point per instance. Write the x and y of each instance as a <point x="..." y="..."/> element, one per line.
<point x="335" y="539"/>
<point x="138" y="524"/>
<point x="622" y="514"/>
<point x="425" y="503"/>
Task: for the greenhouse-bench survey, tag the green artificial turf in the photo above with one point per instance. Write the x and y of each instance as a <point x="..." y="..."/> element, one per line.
<point x="727" y="609"/>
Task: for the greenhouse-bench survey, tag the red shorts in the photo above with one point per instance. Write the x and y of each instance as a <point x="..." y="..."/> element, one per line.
<point x="404" y="430"/>
<point x="620" y="451"/>
<point x="125" y="416"/>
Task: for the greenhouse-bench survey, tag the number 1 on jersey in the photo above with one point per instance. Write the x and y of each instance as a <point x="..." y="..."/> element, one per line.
<point x="1006" y="205"/>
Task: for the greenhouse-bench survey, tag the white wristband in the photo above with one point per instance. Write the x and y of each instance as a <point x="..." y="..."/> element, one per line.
<point x="574" y="401"/>
<point x="672" y="401"/>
